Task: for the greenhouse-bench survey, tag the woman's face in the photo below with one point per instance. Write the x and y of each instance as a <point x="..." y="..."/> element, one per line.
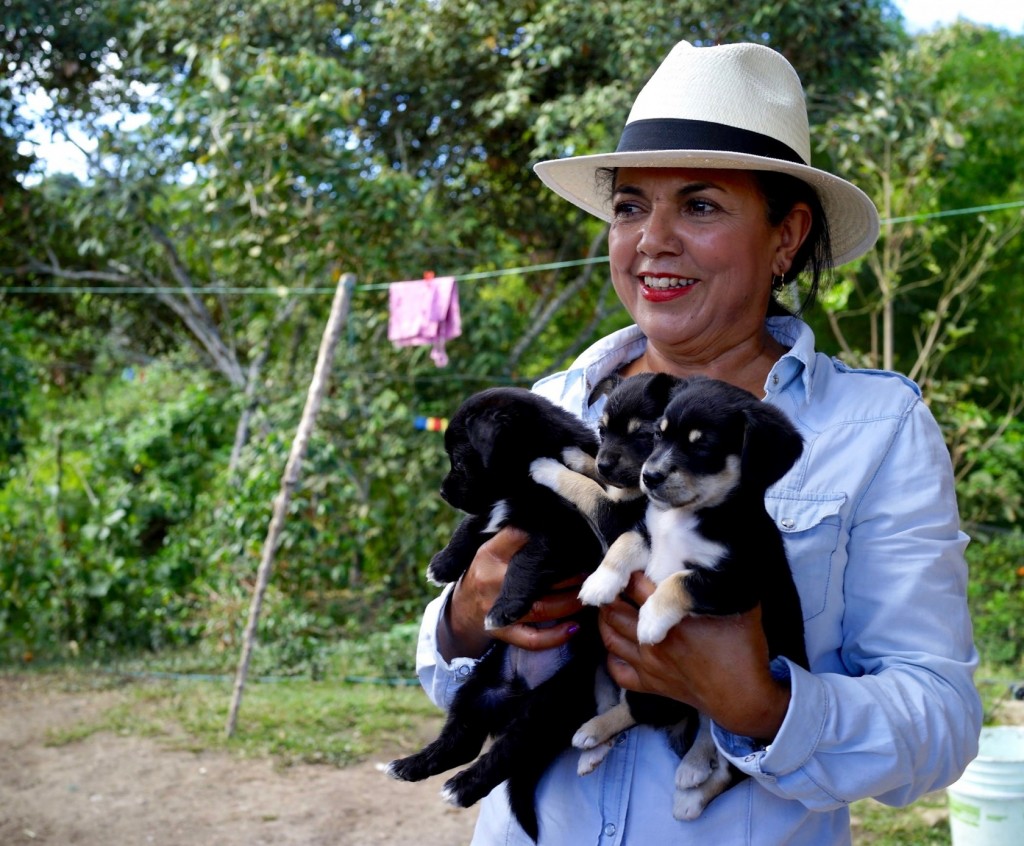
<point x="692" y="257"/>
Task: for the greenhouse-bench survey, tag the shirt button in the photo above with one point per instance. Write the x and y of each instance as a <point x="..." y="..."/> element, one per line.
<point x="775" y="379"/>
<point x="609" y="830"/>
<point x="788" y="522"/>
<point x="465" y="671"/>
<point x="750" y="758"/>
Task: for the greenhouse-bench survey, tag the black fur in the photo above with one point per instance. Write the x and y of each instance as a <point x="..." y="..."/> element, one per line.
<point x="530" y="703"/>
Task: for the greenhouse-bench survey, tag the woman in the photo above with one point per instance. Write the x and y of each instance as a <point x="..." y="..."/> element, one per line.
<point x="712" y="207"/>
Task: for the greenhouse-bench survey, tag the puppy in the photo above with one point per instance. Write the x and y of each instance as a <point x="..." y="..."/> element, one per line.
<point x="707" y="541"/>
<point x="531" y="703"/>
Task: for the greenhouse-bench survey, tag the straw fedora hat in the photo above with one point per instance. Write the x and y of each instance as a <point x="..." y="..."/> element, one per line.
<point x="734" y="106"/>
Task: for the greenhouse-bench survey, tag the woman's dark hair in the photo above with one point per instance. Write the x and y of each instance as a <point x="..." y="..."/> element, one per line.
<point x="781" y="193"/>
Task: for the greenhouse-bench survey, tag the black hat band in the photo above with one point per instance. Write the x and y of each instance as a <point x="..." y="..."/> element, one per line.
<point x="653" y="134"/>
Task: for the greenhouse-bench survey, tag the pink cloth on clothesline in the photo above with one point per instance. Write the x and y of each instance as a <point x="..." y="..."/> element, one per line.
<point x="425" y="311"/>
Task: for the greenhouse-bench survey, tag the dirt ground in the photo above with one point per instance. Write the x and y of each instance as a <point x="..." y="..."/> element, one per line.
<point x="109" y="790"/>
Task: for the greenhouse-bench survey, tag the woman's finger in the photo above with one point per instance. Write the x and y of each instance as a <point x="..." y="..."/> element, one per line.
<point x="530" y="637"/>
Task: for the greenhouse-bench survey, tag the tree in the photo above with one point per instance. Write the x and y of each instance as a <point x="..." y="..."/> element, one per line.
<point x="984" y="66"/>
<point x="901" y="148"/>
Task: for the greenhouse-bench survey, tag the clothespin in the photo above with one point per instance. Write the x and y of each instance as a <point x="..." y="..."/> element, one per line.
<point x="430" y="424"/>
<point x="428" y="274"/>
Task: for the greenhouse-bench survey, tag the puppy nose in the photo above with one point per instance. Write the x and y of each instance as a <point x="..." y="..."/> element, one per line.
<point x="605" y="466"/>
<point x="653" y="478"/>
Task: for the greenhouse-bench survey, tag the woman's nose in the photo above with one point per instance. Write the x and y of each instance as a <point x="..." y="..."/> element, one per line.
<point x="658" y="236"/>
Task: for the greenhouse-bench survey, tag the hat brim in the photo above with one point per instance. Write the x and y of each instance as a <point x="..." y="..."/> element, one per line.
<point x="852" y="217"/>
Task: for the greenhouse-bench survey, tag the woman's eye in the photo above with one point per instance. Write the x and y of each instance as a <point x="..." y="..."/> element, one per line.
<point x="699" y="207"/>
<point x="625" y="208"/>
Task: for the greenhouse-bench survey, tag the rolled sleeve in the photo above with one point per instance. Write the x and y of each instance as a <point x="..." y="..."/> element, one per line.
<point x="439" y="678"/>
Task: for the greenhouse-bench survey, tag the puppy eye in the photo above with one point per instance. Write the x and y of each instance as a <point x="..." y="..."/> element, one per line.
<point x="695" y="435"/>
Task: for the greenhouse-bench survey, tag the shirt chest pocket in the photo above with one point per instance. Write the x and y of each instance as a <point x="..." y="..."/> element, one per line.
<point x="810" y="528"/>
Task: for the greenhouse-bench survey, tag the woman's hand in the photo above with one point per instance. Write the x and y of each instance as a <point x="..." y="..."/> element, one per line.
<point x="464" y="635"/>
<point x="719" y="665"/>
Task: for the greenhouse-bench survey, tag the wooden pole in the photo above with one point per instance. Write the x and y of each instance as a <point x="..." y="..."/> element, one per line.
<point x="292" y="470"/>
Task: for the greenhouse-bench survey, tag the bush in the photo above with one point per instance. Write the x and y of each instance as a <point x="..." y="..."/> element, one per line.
<point x="84" y="527"/>
<point x="996" y="594"/>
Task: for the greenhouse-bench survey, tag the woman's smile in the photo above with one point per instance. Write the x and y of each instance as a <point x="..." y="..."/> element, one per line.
<point x="660" y="288"/>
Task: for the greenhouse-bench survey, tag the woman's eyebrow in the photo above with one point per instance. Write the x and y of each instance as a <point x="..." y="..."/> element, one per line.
<point x="684" y="191"/>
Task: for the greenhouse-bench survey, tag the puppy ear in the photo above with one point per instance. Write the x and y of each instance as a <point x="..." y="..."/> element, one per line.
<point x="660" y="388"/>
<point x="604" y="387"/>
<point x="771" y="445"/>
<point x="482" y="433"/>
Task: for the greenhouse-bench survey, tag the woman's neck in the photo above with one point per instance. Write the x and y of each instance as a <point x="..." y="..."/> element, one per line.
<point x="747" y="366"/>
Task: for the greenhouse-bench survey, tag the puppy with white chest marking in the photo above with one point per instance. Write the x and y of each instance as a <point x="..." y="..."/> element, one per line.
<point x="706" y="541"/>
<point x="714" y="547"/>
<point x="529" y="702"/>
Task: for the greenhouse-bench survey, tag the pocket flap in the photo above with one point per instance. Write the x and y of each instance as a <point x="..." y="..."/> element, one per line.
<point x="800" y="512"/>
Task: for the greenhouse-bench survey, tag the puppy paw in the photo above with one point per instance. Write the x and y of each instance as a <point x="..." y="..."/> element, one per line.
<point x="601" y="586"/>
<point x="696" y="787"/>
<point x="435" y="578"/>
<point x="496" y="621"/>
<point x="547" y="472"/>
<point x="651" y="626"/>
<point x="451" y="796"/>
<point x="405" y="769"/>
<point x="688" y="804"/>
<point x="590" y="759"/>
<point x="443" y="568"/>
<point x="586" y="737"/>
<point x="576" y="459"/>
<point x="456" y="790"/>
<point x="693" y="771"/>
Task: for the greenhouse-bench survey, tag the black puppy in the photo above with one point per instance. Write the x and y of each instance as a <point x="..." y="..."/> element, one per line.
<point x="531" y="703"/>
<point x="707" y="541"/>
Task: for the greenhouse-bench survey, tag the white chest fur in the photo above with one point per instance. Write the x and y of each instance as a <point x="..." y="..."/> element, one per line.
<point x="677" y="544"/>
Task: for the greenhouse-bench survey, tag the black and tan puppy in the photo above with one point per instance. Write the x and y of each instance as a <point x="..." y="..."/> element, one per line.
<point x="707" y="542"/>
<point x="530" y="703"/>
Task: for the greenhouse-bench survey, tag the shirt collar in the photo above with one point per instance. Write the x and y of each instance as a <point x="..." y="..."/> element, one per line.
<point x="797" y="362"/>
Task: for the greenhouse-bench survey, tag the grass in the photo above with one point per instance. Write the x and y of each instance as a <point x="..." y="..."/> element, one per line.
<point x="924" y="823"/>
<point x="325" y="722"/>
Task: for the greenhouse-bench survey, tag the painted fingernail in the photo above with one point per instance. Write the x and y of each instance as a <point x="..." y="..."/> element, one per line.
<point x="573" y="629"/>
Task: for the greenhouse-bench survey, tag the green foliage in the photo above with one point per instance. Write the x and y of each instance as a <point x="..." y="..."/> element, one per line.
<point x="362" y="523"/>
<point x="15" y="381"/>
<point x="987" y="449"/>
<point x="986" y="64"/>
<point x="85" y="526"/>
<point x="996" y="594"/>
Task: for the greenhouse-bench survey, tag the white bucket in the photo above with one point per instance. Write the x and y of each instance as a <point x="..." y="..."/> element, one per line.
<point x="986" y="806"/>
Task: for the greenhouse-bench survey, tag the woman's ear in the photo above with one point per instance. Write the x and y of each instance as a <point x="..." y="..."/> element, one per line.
<point x="793" y="231"/>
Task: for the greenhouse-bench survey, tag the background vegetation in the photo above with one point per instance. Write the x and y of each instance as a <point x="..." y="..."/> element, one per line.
<point x="160" y="314"/>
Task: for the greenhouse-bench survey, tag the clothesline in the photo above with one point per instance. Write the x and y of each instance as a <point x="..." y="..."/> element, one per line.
<point x="283" y="291"/>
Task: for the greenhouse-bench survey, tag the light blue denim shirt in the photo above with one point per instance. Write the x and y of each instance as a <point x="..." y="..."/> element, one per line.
<point x="889" y="708"/>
